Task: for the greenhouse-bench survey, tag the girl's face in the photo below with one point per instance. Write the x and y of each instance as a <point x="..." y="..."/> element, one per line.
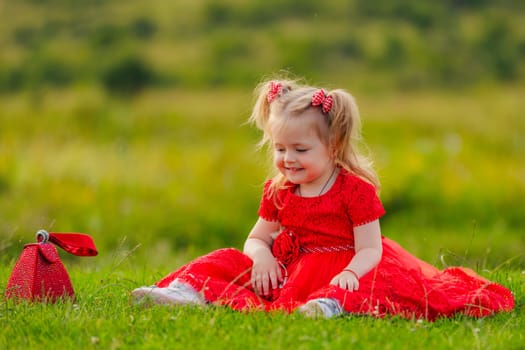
<point x="299" y="153"/>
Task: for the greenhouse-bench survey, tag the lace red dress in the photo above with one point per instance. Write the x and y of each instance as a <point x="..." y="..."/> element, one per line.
<point x="316" y="243"/>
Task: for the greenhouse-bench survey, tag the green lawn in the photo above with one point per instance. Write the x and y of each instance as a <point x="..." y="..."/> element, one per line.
<point x="103" y="318"/>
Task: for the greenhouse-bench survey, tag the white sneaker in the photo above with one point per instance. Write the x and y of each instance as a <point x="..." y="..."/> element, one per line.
<point x="179" y="294"/>
<point x="321" y="307"/>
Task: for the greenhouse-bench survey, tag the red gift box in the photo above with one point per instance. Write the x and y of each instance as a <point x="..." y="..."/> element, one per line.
<point x="39" y="274"/>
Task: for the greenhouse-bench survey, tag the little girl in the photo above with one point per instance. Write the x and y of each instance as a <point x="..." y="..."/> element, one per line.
<point x="317" y="246"/>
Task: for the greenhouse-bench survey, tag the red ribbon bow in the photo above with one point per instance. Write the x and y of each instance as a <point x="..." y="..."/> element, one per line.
<point x="275" y="91"/>
<point x="75" y="243"/>
<point x="321" y="99"/>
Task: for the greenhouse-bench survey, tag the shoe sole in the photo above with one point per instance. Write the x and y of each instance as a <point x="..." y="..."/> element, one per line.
<point x="311" y="310"/>
<point x="150" y="296"/>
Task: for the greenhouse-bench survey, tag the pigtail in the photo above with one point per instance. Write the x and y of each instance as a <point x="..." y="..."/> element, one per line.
<point x="261" y="108"/>
<point x="268" y="97"/>
<point x="267" y="94"/>
<point x="346" y="137"/>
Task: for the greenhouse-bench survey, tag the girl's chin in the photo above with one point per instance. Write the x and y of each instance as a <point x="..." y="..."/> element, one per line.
<point x="294" y="177"/>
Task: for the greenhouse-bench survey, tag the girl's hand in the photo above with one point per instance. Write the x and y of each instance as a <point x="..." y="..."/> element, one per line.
<point x="346" y="280"/>
<point x="266" y="274"/>
<point x="368" y="251"/>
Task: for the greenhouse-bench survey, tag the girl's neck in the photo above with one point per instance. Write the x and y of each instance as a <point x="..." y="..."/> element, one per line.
<point x="305" y="190"/>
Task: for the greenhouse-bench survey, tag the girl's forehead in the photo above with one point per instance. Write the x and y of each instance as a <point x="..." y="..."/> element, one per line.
<point x="305" y="125"/>
<point x="291" y="126"/>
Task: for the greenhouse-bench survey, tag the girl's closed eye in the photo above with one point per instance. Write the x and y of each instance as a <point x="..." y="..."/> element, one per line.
<point x="301" y="150"/>
<point x="278" y="147"/>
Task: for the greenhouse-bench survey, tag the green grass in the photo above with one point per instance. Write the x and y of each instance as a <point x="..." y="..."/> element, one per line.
<point x="103" y="318"/>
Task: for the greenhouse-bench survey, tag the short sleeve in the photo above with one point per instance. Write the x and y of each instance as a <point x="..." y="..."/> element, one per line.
<point x="364" y="205"/>
<point x="267" y="209"/>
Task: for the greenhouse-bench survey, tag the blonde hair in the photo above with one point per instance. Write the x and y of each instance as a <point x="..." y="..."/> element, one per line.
<point x="342" y="120"/>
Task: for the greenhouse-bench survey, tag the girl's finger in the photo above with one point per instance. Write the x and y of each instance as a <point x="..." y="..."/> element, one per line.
<point x="265" y="285"/>
<point x="334" y="281"/>
<point x="256" y="283"/>
<point x="347" y="284"/>
<point x="273" y="280"/>
<point x="280" y="278"/>
<point x="356" y="285"/>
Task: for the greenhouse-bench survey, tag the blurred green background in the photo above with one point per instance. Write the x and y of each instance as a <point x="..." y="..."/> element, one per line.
<point x="125" y="119"/>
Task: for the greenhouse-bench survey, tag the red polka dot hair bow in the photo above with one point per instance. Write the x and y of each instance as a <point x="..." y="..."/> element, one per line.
<point x="275" y="91"/>
<point x="321" y="99"/>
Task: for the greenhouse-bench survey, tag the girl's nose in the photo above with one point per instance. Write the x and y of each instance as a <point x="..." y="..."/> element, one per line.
<point x="288" y="158"/>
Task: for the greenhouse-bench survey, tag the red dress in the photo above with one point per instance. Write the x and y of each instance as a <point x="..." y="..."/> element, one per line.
<point x="316" y="243"/>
